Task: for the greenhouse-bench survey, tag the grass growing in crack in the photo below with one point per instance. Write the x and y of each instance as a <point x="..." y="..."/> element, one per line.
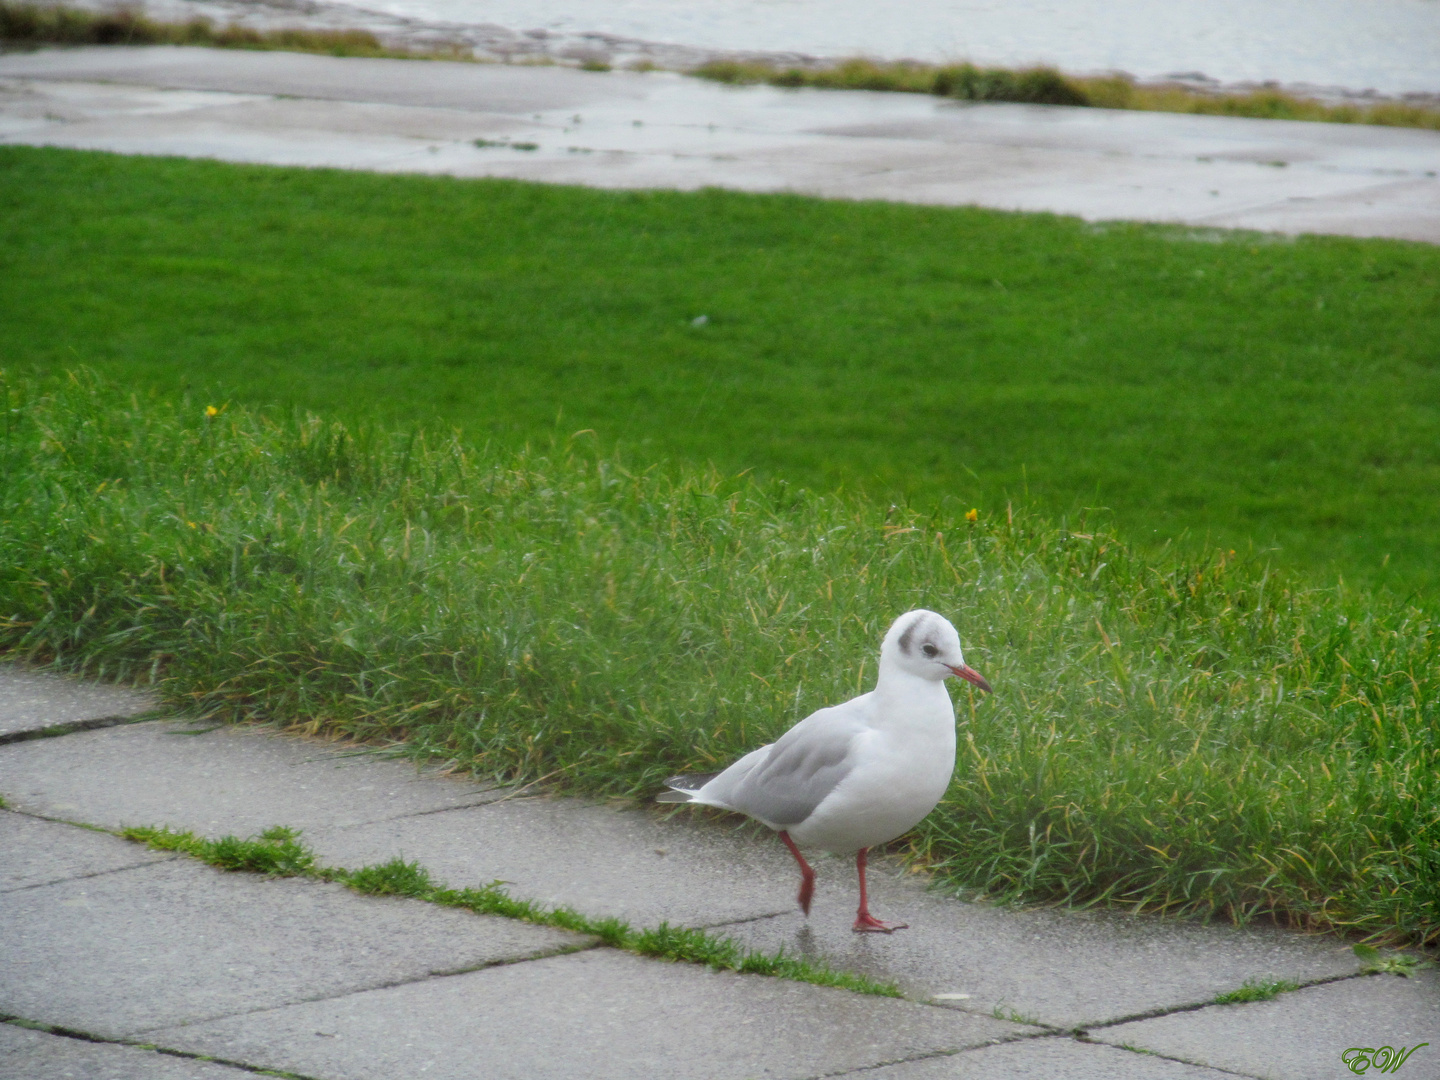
<point x="1047" y="86"/>
<point x="278" y="851"/>
<point x="1199" y="737"/>
<point x="1015" y="1016"/>
<point x="1257" y="990"/>
<point x="699" y="947"/>
<point x="394" y="878"/>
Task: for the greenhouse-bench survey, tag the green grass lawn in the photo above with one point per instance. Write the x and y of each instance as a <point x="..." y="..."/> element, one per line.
<point x="1243" y="388"/>
<point x="1200" y="737"/>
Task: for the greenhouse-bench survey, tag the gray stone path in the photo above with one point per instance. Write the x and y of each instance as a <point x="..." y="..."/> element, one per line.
<point x="662" y="130"/>
<point x="105" y="940"/>
<point x="37" y="705"/>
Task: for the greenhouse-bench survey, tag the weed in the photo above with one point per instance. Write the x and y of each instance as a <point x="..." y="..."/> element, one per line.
<point x="394" y="878"/>
<point x="1004" y="1012"/>
<point x="1257" y="990"/>
<point x="1377" y="963"/>
<point x="277" y="851"/>
<point x="506" y="143"/>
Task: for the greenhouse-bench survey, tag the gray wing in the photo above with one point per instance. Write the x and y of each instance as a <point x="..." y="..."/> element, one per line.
<point x="801" y="769"/>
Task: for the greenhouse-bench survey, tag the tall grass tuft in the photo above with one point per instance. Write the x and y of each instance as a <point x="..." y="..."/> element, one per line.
<point x="1047" y="86"/>
<point x="1038" y="86"/>
<point x="1197" y="737"/>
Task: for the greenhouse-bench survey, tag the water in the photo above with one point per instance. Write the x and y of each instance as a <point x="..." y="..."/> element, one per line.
<point x="1391" y="46"/>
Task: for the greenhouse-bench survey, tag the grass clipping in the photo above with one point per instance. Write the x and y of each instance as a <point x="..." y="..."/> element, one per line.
<point x="1198" y="738"/>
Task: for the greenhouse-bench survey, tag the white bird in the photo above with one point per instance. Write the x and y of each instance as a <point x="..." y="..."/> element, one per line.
<point x="852" y="776"/>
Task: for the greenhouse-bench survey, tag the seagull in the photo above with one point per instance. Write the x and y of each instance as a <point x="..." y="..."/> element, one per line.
<point x="852" y="776"/>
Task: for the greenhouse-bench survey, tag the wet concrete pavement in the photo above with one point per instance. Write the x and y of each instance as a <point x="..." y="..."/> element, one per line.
<point x="662" y="130"/>
<point x="148" y="964"/>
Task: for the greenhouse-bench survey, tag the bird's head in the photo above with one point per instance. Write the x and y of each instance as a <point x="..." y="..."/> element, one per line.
<point x="923" y="643"/>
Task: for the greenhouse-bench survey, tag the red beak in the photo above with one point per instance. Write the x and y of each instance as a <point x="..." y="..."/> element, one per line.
<point x="969" y="674"/>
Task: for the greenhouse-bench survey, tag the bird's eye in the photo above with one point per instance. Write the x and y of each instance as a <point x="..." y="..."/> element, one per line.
<point x="930" y="650"/>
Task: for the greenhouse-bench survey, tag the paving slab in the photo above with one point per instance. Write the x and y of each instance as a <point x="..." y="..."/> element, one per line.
<point x="218" y="780"/>
<point x="1060" y="968"/>
<point x="596" y="858"/>
<point x="602" y="1014"/>
<point x="1065" y="968"/>
<point x="178" y="942"/>
<point x="37" y="852"/>
<point x="34" y="703"/>
<point x="662" y="130"/>
<point x="356" y="810"/>
<point x="1056" y="1058"/>
<point x="1302" y="1035"/>
<point x="36" y="1055"/>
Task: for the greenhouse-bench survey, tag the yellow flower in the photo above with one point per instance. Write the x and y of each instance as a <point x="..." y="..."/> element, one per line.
<point x="972" y="515"/>
<point x="211" y="410"/>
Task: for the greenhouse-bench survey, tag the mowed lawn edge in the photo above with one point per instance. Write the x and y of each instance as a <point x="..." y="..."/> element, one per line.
<point x="1209" y="388"/>
<point x="1201" y="737"/>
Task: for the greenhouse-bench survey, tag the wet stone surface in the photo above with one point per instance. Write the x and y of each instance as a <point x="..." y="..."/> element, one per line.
<point x="663" y="130"/>
<point x="35" y="852"/>
<point x="1063" y="968"/>
<point x="32" y="702"/>
<point x="1302" y="1035"/>
<point x="179" y="942"/>
<point x="35" y="1055"/>
<point x="217" y="780"/>
<point x="1056" y="1058"/>
<point x="600" y="1014"/>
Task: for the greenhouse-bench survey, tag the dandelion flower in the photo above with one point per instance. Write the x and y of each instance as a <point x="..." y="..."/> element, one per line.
<point x="211" y="410"/>
<point x="972" y="515"/>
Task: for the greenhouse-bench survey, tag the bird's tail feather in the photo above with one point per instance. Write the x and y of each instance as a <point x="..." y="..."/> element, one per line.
<point x="683" y="788"/>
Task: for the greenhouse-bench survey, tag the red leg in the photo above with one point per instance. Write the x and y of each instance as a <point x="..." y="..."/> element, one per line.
<point x="864" y="921"/>
<point x="807" y="875"/>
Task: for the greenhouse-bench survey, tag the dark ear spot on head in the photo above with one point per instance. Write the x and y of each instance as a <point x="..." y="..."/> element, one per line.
<point x="908" y="636"/>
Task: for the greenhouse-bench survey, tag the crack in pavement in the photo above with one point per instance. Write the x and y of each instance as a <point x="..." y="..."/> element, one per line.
<point x="1082" y="1038"/>
<point x="94" y="874"/>
<point x="62" y="1032"/>
<point x="389" y="984"/>
<point x="70" y="727"/>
